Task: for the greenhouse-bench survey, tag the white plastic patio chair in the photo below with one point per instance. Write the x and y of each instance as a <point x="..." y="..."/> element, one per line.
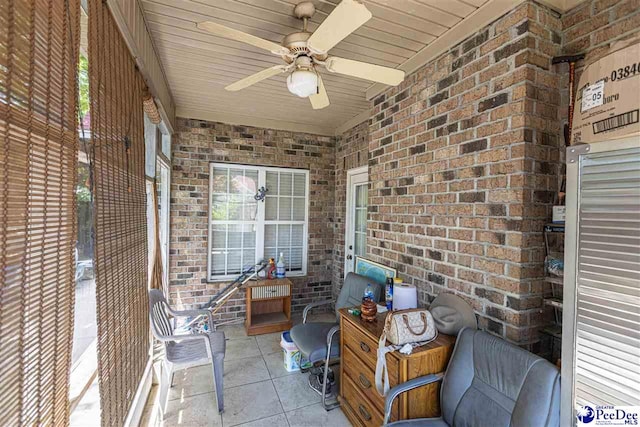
<point x="185" y="351"/>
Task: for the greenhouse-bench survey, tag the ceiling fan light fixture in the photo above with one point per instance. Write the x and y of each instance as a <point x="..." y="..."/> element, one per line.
<point x="303" y="83"/>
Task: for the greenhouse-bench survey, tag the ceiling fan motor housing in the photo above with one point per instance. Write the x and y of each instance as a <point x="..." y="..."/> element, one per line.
<point x="297" y="45"/>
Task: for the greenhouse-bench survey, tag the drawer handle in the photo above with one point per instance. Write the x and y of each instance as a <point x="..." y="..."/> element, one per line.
<point x="364" y="382"/>
<point x="364" y="347"/>
<point x="365" y="414"/>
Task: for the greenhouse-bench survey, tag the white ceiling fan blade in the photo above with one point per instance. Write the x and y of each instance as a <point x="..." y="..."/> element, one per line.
<point x="363" y="70"/>
<point x="230" y="33"/>
<point x="257" y="77"/>
<point x="319" y="100"/>
<point x="347" y="17"/>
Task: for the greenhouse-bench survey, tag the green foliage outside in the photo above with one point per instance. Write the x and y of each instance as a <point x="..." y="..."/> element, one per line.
<point x="83" y="86"/>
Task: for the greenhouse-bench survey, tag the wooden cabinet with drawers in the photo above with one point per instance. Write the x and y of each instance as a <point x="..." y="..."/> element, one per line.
<point x="358" y="395"/>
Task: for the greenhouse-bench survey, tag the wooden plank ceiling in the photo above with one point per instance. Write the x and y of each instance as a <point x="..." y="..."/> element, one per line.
<point x="198" y="65"/>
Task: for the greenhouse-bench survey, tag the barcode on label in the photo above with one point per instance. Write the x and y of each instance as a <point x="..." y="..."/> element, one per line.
<point x="615" y="122"/>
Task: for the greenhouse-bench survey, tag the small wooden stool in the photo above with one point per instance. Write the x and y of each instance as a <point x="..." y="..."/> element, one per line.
<point x="268" y="306"/>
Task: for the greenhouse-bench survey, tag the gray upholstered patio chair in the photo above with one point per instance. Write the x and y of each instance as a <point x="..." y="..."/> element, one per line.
<point x="317" y="341"/>
<point x="489" y="382"/>
<point x="185" y="351"/>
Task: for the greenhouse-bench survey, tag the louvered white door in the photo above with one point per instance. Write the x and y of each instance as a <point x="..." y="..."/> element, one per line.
<point x="602" y="334"/>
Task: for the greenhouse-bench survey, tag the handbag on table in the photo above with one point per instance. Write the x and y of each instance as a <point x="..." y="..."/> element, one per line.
<point x="402" y="327"/>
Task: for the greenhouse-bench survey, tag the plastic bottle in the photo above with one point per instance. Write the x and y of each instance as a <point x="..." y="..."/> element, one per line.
<point x="271" y="270"/>
<point x="388" y="293"/>
<point x="368" y="293"/>
<point x="280" y="267"/>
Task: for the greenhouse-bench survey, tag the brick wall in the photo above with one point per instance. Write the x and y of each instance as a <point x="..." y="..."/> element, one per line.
<point x="464" y="166"/>
<point x="196" y="144"/>
<point x="465" y="159"/>
<point x="352" y="151"/>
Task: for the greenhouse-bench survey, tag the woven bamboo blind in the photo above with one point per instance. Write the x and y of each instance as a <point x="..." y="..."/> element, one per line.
<point x="38" y="165"/>
<point x="117" y="130"/>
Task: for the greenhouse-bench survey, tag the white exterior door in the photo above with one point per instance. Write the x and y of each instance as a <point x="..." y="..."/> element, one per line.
<point x="356" y="216"/>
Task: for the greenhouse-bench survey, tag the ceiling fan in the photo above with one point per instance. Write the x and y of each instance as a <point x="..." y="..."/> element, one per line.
<point x="304" y="51"/>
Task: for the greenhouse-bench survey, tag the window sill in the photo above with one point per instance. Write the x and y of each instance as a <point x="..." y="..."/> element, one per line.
<point x="229" y="279"/>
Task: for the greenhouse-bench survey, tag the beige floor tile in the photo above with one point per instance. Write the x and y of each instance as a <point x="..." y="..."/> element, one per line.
<point x="199" y="410"/>
<point x="250" y="402"/>
<point x="316" y="416"/>
<point x="279" y="420"/>
<point x="269" y="343"/>
<point x="294" y="391"/>
<point x="192" y="381"/>
<point x="275" y="364"/>
<point x="244" y="371"/>
<point x="240" y="348"/>
<point x="233" y="331"/>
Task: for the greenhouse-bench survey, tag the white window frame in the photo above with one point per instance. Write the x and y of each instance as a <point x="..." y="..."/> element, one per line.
<point x="260" y="220"/>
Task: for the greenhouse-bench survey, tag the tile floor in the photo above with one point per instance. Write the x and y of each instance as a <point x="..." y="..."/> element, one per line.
<point x="258" y="391"/>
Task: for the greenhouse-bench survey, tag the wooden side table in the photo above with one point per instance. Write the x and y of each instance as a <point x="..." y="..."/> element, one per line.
<point x="360" y="401"/>
<point x="268" y="306"/>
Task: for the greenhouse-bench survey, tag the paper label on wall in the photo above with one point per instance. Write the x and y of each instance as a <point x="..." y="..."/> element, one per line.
<point x="593" y="96"/>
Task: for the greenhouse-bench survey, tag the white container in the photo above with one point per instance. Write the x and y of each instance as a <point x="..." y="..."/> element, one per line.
<point x="280" y="267"/>
<point x="293" y="359"/>
<point x="559" y="214"/>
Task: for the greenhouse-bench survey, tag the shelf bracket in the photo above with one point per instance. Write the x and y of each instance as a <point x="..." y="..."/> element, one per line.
<point x="575" y="151"/>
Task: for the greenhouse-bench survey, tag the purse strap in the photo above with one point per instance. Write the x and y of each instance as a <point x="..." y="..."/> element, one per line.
<point x="382" y="373"/>
<point x="405" y="318"/>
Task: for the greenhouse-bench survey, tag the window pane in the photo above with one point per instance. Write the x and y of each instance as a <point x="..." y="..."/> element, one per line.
<point x="360" y="248"/>
<point x="219" y="181"/>
<point x="298" y="209"/>
<point x="297" y="235"/>
<point x="235" y="207"/>
<point x="166" y="145"/>
<point x="361" y="220"/>
<point x="296" y="259"/>
<point x="252" y="176"/>
<point x="361" y="195"/>
<point x="248" y="258"/>
<point x="237" y="183"/>
<point x="217" y="262"/>
<point x="219" y="235"/>
<point x="219" y="208"/>
<point x="235" y="237"/>
<point x="270" y="235"/>
<point x="250" y="209"/>
<point x="270" y="253"/>
<point x="249" y="235"/>
<point x="234" y="262"/>
<point x="271" y="208"/>
<point x="284" y="212"/>
<point x="284" y="236"/>
<point x="299" y="184"/>
<point x="286" y="183"/>
<point x="272" y="183"/>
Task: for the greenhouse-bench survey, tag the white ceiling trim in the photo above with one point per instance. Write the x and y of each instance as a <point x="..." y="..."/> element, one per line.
<point x="242" y="120"/>
<point x="352" y="122"/>
<point x="482" y="17"/>
<point x="479" y="19"/>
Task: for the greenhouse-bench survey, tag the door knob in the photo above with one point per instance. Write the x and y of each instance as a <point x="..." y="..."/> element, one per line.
<point x="349" y="257"/>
